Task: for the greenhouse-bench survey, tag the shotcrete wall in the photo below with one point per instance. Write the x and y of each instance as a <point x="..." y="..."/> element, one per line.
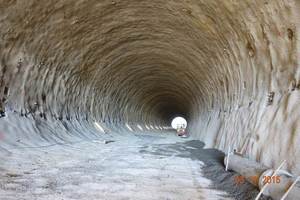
<point x="231" y="68"/>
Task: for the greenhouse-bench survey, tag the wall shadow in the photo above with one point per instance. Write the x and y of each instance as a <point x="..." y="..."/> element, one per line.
<point x="213" y="168"/>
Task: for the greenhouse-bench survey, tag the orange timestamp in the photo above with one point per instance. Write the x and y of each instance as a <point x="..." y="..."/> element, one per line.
<point x="271" y="179"/>
<point x="239" y="179"/>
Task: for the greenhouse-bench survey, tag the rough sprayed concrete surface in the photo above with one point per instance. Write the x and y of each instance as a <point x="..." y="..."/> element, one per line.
<point x="66" y="64"/>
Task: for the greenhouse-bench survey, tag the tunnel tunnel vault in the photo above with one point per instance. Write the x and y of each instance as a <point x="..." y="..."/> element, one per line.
<point x="144" y="62"/>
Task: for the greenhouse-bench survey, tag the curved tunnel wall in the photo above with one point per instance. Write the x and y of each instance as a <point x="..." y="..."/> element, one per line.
<point x="230" y="67"/>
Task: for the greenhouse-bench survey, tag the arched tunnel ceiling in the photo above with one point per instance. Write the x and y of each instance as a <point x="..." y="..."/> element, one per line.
<point x="145" y="62"/>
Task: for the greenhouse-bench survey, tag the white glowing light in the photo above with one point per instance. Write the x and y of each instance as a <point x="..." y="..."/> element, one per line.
<point x="97" y="125"/>
<point x="140" y="127"/>
<point x="178" y="122"/>
<point x="128" y="127"/>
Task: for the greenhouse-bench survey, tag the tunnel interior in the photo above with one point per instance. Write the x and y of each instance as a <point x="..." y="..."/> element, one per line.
<point x="230" y="68"/>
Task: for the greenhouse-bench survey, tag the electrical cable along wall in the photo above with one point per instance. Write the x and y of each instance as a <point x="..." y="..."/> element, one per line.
<point x="231" y="68"/>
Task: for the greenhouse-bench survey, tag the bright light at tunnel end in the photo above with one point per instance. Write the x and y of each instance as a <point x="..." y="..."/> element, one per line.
<point x="179" y="122"/>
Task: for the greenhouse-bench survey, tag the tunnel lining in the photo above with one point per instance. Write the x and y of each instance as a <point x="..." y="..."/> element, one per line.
<point x="142" y="63"/>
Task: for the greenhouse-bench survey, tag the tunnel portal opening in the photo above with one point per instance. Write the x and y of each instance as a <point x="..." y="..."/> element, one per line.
<point x="179" y="122"/>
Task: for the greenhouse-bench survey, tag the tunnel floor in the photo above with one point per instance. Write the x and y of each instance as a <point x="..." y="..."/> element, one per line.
<point x="144" y="166"/>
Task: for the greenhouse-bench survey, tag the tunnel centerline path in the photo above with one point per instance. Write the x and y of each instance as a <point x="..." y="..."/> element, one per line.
<point x="144" y="166"/>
